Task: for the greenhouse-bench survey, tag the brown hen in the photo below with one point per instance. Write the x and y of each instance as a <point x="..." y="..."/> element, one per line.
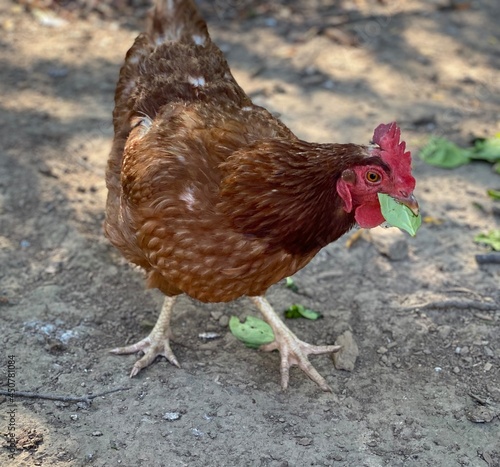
<point x="216" y="198"/>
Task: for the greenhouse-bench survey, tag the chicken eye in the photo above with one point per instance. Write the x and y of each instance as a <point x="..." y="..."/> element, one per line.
<point x="372" y="177"/>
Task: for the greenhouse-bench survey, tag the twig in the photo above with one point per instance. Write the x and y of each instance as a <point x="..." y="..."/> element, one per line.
<point x="488" y="258"/>
<point x="461" y="305"/>
<point x="55" y="397"/>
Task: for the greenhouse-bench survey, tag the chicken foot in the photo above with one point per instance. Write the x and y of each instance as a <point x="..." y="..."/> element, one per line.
<point x="292" y="350"/>
<point x="156" y="344"/>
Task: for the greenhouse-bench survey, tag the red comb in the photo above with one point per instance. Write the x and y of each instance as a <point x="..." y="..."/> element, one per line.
<point x="393" y="152"/>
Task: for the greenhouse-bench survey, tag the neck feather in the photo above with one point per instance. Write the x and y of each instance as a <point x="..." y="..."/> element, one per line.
<point x="285" y="192"/>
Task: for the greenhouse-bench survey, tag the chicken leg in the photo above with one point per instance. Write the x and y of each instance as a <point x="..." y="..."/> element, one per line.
<point x="156" y="344"/>
<point x="293" y="351"/>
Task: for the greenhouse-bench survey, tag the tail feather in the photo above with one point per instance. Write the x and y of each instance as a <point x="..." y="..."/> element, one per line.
<point x="177" y="20"/>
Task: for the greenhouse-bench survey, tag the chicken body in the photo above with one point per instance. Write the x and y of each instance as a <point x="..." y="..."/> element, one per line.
<point x="209" y="193"/>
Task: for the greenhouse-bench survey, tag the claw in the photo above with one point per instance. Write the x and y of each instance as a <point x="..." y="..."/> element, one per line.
<point x="157" y="344"/>
<point x="292" y="350"/>
<point x="151" y="348"/>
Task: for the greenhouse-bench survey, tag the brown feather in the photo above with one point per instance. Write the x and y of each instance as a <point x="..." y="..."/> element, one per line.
<point x="210" y="194"/>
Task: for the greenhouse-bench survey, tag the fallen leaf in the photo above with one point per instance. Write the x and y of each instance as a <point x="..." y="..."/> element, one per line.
<point x="300" y="311"/>
<point x="487" y="149"/>
<point x="290" y="284"/>
<point x="253" y="332"/>
<point x="494" y="194"/>
<point x="432" y="220"/>
<point x="492" y="238"/>
<point x="441" y="152"/>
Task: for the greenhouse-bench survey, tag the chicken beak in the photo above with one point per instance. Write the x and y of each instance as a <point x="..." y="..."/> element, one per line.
<point x="410" y="202"/>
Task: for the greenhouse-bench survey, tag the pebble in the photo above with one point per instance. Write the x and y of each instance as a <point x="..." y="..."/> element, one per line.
<point x="305" y="441"/>
<point x="53" y="268"/>
<point x="171" y="416"/>
<point x="444" y="331"/>
<point x="216" y="315"/>
<point x="58" y="72"/>
<point x="345" y="358"/>
<point x="209" y="335"/>
<point x="197" y="432"/>
<point x="488" y="352"/>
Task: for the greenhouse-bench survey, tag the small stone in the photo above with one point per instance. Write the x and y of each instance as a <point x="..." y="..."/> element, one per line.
<point x="488" y="352"/>
<point x="488" y="366"/>
<point x="304" y="441"/>
<point x="224" y="321"/>
<point x="197" y="432"/>
<point x="216" y="315"/>
<point x="481" y="414"/>
<point x="209" y="335"/>
<point x="58" y="72"/>
<point x="346" y="357"/>
<point x="390" y="242"/>
<point x="73" y="416"/>
<point x="171" y="416"/>
<point x="97" y="433"/>
<point x="53" y="268"/>
<point x="444" y="331"/>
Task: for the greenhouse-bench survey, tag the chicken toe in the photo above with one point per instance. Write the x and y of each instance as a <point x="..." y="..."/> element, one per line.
<point x="292" y="350"/>
<point x="156" y="344"/>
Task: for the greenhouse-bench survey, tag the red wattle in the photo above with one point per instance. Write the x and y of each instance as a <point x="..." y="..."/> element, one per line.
<point x="369" y="216"/>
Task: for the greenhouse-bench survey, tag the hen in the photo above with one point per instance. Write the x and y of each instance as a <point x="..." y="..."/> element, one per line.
<point x="216" y="198"/>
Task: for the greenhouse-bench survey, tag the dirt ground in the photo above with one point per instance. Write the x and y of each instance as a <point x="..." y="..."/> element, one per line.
<point x="425" y="390"/>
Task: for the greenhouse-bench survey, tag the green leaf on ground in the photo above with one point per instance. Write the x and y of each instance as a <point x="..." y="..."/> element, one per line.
<point x="443" y="153"/>
<point x="492" y="238"/>
<point x="300" y="311"/>
<point x="253" y="332"/>
<point x="399" y="215"/>
<point x="487" y="149"/>
<point x="290" y="284"/>
<point x="494" y="194"/>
